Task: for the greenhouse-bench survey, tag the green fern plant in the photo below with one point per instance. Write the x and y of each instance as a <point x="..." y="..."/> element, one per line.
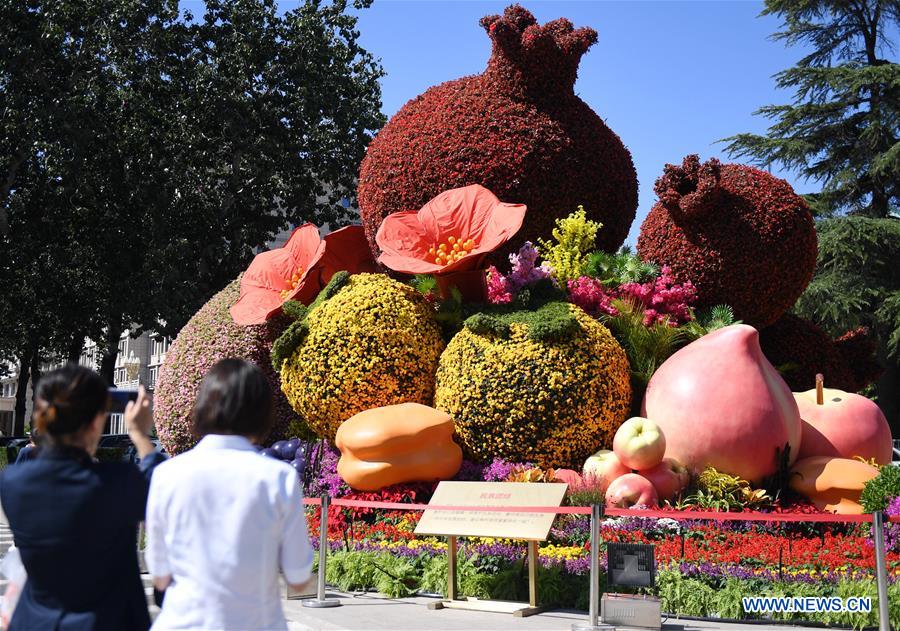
<point x="647" y="347"/>
<point x="617" y="269"/>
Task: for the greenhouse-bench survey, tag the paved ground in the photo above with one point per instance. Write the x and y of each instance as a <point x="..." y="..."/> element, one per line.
<point x="370" y="612"/>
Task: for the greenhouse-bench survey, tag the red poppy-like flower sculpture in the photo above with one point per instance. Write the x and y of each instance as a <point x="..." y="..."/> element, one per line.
<point x="450" y="237"/>
<point x="299" y="270"/>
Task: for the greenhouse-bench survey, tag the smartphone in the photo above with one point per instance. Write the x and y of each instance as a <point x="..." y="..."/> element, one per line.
<point x="119" y="398"/>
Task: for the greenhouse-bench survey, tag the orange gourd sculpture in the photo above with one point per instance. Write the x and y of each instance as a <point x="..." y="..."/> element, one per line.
<point x="389" y="445"/>
<point x="832" y="484"/>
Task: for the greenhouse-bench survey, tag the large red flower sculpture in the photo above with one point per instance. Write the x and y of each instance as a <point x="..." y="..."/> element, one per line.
<point x="299" y="270"/>
<point x="450" y="237"/>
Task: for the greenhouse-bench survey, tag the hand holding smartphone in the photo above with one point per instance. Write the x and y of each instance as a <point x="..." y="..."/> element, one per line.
<point x="119" y="398"/>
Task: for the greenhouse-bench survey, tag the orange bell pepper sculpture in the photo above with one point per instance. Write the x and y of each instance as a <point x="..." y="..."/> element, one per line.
<point x="389" y="445"/>
<point x="832" y="484"/>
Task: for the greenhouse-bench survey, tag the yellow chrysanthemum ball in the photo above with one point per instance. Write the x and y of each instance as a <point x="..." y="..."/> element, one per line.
<point x="549" y="386"/>
<point x="375" y="342"/>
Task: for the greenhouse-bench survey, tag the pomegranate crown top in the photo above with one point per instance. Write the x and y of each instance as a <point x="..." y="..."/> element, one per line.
<point x="532" y="57"/>
<point x="692" y="190"/>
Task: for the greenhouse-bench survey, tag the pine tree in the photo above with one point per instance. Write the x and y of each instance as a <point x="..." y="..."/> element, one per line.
<point x="843" y="127"/>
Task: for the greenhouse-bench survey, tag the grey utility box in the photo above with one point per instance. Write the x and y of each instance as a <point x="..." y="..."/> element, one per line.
<point x="630" y="610"/>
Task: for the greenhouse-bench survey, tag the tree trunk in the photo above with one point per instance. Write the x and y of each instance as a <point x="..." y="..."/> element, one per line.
<point x="35" y="368"/>
<point x="73" y="351"/>
<point x="108" y="361"/>
<point x="880" y="205"/>
<point x="18" y="428"/>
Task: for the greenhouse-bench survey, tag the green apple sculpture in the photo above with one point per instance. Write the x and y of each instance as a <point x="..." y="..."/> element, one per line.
<point x="720" y="403"/>
<point x="843" y="425"/>
<point x="638" y="443"/>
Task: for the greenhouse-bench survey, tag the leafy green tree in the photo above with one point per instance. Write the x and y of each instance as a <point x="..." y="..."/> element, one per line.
<point x="857" y="283"/>
<point x="843" y="127"/>
<point x="145" y="153"/>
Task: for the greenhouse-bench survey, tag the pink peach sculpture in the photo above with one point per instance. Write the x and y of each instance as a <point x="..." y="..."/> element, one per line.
<point x="630" y="490"/>
<point x="842" y="425"/>
<point x="720" y="403"/>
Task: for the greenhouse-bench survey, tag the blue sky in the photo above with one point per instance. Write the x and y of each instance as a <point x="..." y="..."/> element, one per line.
<point x="670" y="78"/>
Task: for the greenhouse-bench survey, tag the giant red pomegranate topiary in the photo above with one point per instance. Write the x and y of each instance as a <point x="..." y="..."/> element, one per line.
<point x="517" y="129"/>
<point x="742" y="237"/>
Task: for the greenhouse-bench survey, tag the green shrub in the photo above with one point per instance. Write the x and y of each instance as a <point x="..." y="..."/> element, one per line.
<point x="881" y="489"/>
<point x="728" y="599"/>
<point x="396" y="577"/>
<point x="724" y="492"/>
<point x="684" y="596"/>
<point x="469" y="580"/>
<point x="351" y="571"/>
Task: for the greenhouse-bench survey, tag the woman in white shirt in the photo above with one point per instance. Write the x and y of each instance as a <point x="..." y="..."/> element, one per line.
<point x="223" y="520"/>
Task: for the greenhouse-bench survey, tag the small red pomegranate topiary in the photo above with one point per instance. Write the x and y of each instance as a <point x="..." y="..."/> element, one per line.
<point x="517" y="129"/>
<point x="742" y="237"/>
<point x="801" y="350"/>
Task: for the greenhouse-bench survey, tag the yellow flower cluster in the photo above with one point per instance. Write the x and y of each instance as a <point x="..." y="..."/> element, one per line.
<point x="552" y="403"/>
<point x="374" y="343"/>
<point x="575" y="236"/>
<point x="562" y="553"/>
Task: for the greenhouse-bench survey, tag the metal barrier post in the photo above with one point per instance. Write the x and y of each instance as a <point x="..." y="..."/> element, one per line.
<point x="881" y="573"/>
<point x="320" y="601"/>
<point x="593" y="622"/>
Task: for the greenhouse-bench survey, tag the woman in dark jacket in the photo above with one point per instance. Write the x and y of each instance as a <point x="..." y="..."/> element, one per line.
<point x="74" y="519"/>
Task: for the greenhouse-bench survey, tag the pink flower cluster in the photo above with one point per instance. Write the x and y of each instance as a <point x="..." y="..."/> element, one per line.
<point x="209" y="336"/>
<point x="664" y="300"/>
<point x="502" y="289"/>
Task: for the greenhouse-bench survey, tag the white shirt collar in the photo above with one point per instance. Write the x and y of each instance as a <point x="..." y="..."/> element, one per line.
<point x="225" y="441"/>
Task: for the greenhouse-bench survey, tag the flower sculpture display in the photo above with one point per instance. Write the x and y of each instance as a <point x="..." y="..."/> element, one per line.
<point x="367" y="341"/>
<point x="299" y="270"/>
<point x="450" y="237"/>
<point x="548" y="386"/>
<point x="209" y="336"/>
<point x="742" y="237"/>
<point x="518" y="129"/>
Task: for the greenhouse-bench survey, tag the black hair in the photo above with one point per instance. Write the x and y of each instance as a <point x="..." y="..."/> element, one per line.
<point x="68" y="399"/>
<point x="234" y="398"/>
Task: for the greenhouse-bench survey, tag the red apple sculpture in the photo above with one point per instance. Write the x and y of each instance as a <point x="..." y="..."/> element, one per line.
<point x="570" y="477"/>
<point x="639" y="444"/>
<point x="842" y="425"/>
<point x="630" y="490"/>
<point x="720" y="403"/>
<point x="604" y="467"/>
<point x="669" y="477"/>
